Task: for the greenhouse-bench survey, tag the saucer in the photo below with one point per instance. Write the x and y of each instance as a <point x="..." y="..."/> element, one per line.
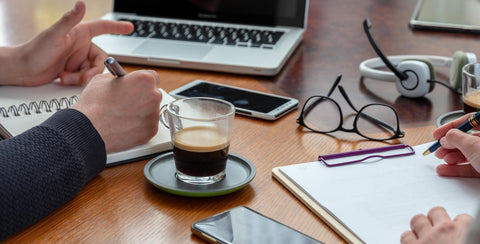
<point x="160" y="171"/>
<point x="447" y="117"/>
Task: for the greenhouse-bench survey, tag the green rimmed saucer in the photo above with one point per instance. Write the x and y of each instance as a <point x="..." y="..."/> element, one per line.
<point x="160" y="171"/>
<point x="450" y="116"/>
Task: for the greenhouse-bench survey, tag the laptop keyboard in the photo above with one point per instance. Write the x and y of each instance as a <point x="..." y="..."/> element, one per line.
<point x="254" y="38"/>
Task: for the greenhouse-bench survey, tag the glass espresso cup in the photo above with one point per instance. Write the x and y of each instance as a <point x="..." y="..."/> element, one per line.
<point x="200" y="128"/>
<point x="471" y="87"/>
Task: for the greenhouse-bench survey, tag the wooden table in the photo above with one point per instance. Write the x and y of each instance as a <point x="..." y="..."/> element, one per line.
<point x="120" y="206"/>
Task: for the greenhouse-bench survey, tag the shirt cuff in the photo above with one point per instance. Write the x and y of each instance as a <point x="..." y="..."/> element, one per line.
<point x="80" y="132"/>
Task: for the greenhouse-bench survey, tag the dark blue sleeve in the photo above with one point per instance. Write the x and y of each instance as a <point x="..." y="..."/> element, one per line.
<point x="45" y="167"/>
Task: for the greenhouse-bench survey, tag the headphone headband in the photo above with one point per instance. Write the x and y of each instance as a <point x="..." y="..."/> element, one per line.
<point x="368" y="68"/>
<point x="414" y="75"/>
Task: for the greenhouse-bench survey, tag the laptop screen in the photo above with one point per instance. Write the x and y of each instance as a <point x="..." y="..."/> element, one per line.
<point x="253" y="12"/>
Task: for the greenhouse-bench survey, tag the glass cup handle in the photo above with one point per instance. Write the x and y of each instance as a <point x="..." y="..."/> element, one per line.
<point x="163" y="116"/>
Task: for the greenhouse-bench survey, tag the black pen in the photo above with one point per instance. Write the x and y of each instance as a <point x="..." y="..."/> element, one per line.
<point x="114" y="67"/>
<point x="472" y="122"/>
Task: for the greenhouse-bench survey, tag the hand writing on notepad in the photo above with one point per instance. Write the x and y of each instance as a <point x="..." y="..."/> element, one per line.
<point x="461" y="153"/>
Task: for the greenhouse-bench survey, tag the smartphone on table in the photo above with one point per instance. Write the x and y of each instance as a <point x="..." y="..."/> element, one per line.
<point x="243" y="225"/>
<point x="247" y="102"/>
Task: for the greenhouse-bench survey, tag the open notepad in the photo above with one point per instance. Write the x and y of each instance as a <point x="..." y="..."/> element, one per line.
<point x="22" y="108"/>
<point x="374" y="202"/>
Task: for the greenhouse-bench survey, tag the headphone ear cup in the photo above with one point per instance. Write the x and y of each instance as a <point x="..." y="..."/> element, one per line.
<point x="418" y="74"/>
<point x="460" y="59"/>
<point x="431" y="70"/>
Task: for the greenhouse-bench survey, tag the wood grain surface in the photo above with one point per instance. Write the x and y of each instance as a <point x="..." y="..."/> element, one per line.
<point x="120" y="206"/>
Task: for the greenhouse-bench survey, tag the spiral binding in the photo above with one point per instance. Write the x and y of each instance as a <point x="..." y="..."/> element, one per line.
<point x="38" y="107"/>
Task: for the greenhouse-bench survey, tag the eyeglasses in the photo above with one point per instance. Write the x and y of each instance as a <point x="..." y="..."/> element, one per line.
<point x="374" y="121"/>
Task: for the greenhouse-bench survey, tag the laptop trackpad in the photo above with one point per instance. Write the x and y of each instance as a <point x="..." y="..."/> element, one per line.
<point x="162" y="49"/>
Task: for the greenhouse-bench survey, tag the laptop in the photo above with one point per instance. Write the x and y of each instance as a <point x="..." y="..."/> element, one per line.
<point x="235" y="36"/>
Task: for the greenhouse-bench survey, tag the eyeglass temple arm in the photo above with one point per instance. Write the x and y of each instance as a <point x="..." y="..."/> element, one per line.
<point x="344" y="94"/>
<point x="335" y="84"/>
<point x="377" y="121"/>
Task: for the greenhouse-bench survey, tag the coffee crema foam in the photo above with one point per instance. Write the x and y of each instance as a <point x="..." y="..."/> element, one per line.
<point x="200" y="139"/>
<point x="472" y="99"/>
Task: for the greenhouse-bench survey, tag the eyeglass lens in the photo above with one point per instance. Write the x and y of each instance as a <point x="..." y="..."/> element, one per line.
<point x="321" y="114"/>
<point x="383" y="126"/>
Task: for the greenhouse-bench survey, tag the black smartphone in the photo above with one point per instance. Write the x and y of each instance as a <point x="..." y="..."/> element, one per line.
<point x="247" y="102"/>
<point x="243" y="225"/>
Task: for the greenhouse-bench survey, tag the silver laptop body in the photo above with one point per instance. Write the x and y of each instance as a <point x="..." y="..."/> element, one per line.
<point x="235" y="36"/>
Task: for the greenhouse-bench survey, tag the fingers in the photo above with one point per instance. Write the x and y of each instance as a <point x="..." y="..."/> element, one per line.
<point x="455" y="139"/>
<point x="96" y="58"/>
<point x="82" y="76"/>
<point x="80" y="70"/>
<point x="464" y="170"/>
<point x="408" y="237"/>
<point x="420" y="224"/>
<point x="442" y="130"/>
<point x="436" y="227"/>
<point x="157" y="78"/>
<point x="69" y="79"/>
<point x="464" y="219"/>
<point x="132" y="99"/>
<point x="437" y="215"/>
<point x="69" y="20"/>
<point x="99" y="27"/>
<point x="450" y="156"/>
<point x="467" y="144"/>
<point x="476" y="133"/>
<point x="454" y="157"/>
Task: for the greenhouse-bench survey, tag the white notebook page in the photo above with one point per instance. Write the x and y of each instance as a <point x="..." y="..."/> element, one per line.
<point x="377" y="200"/>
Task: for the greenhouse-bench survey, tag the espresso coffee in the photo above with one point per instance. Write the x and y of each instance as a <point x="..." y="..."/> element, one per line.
<point x="471" y="102"/>
<point x="200" y="151"/>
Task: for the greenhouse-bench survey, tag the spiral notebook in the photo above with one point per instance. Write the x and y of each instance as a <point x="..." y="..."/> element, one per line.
<point x="22" y="108"/>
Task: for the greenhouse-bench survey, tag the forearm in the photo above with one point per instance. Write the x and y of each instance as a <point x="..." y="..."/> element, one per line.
<point x="45" y="167"/>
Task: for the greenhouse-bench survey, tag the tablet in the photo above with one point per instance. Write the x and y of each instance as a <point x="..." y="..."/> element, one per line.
<point x="447" y="15"/>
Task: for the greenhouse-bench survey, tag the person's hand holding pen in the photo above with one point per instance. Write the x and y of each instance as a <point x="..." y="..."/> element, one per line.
<point x="114" y="67"/>
<point x="461" y="151"/>
<point x="125" y="110"/>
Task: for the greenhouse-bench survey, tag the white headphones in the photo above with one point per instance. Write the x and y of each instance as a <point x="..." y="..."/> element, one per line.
<point x="414" y="75"/>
